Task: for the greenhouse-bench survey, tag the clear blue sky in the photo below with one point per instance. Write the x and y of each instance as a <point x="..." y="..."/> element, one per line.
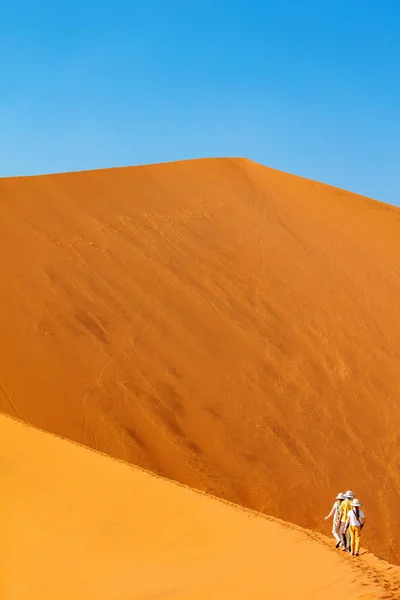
<point x="306" y="86"/>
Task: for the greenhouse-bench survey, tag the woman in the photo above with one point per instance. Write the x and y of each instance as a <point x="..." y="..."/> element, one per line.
<point x="356" y="521"/>
<point x="336" y="512"/>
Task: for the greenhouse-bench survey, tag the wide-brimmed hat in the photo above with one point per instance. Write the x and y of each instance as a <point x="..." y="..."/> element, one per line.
<point x="349" y="494"/>
<point x="356" y="502"/>
<point x="340" y="496"/>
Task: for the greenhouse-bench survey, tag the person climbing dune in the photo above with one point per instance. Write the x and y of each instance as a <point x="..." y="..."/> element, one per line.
<point x="336" y="513"/>
<point x="344" y="509"/>
<point x="355" y="522"/>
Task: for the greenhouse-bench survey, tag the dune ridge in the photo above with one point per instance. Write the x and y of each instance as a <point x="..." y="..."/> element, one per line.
<point x="76" y="524"/>
<point x="220" y="323"/>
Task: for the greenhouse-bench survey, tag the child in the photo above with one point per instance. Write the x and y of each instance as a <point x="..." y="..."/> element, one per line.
<point x="355" y="520"/>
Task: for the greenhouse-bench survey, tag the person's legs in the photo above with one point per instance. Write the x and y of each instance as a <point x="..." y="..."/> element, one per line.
<point x="352" y="538"/>
<point x="357" y="535"/>
<point x="335" y="531"/>
<point x="348" y="542"/>
<point x="343" y="535"/>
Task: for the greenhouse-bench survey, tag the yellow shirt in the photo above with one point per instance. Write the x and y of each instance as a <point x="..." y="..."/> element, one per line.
<point x="346" y="506"/>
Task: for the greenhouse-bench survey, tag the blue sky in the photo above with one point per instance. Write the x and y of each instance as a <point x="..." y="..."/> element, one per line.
<point x="311" y="87"/>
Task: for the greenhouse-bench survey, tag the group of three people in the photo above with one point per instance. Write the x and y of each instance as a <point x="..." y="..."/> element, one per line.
<point x="348" y="521"/>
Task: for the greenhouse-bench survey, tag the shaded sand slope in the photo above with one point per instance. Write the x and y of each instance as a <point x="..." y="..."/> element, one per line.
<point x="220" y="323"/>
<point x="78" y="525"/>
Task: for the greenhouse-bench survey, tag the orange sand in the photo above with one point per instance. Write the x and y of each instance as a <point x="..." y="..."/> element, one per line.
<point x="217" y="322"/>
<point x="76" y="525"/>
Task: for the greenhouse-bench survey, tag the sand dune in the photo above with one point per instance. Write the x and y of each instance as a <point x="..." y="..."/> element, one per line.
<point x="217" y="322"/>
<point x="78" y="525"/>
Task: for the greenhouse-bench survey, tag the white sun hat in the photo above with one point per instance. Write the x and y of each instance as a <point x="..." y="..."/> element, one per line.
<point x="349" y="494"/>
<point x="356" y="502"/>
<point x="340" y="496"/>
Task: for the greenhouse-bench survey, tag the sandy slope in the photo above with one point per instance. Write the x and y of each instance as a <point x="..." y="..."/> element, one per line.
<point x="78" y="525"/>
<point x="218" y="322"/>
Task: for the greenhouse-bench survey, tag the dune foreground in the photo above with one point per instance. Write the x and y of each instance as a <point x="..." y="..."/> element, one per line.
<point x="217" y="322"/>
<point x="79" y="525"/>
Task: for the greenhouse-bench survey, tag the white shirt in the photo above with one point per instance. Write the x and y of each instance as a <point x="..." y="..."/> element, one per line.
<point x="354" y="522"/>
